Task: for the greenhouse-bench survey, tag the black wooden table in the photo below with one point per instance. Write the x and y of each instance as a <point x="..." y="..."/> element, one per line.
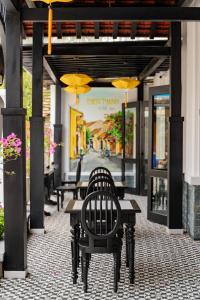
<point x="129" y="208"/>
<point x="119" y="186"/>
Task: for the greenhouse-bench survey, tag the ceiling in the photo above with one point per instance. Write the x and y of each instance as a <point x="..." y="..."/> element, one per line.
<point x="130" y="30"/>
<point x="99" y="66"/>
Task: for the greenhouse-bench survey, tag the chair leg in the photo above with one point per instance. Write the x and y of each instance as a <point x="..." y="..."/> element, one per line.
<point x="115" y="272"/>
<point x="85" y="271"/>
<point x="127" y="254"/>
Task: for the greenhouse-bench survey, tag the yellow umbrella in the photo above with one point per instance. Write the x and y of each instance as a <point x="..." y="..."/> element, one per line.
<point x="126" y="84"/>
<point x="77" y="90"/>
<point x="76" y="79"/>
<point x="50" y="20"/>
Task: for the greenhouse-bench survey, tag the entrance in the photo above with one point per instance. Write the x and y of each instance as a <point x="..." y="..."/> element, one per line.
<point x="135" y="146"/>
<point x="145" y="150"/>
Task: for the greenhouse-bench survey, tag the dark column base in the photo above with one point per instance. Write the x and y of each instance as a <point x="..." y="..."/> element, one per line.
<point x="37" y="193"/>
<point x="191" y="210"/>
<point x="15" y="260"/>
<point x="58" y="154"/>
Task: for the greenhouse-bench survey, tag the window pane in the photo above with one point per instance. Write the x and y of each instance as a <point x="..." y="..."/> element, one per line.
<point x="130" y="175"/>
<point x="160" y="131"/>
<point x="130" y="133"/>
<point x="159" y="195"/>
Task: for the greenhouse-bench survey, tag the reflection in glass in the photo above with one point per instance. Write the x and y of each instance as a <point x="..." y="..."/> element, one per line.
<point x="130" y="133"/>
<point x="160" y="131"/>
<point x="130" y="175"/>
<point x="159" y="195"/>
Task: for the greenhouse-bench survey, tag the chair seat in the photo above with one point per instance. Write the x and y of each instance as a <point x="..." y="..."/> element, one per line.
<point x="101" y="245"/>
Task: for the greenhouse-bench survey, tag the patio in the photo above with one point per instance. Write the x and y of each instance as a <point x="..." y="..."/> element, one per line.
<point x="167" y="267"/>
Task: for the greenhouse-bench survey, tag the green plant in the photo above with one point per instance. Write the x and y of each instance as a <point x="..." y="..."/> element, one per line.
<point x="1" y="222"/>
<point x="114" y="125"/>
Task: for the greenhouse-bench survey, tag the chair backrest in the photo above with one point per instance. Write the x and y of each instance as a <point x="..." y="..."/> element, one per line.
<point x="101" y="217"/>
<point x="78" y="170"/>
<point x="100" y="170"/>
<point x="101" y="184"/>
<point x="101" y="175"/>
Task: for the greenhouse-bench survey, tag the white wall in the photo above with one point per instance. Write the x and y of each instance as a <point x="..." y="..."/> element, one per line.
<point x="191" y="99"/>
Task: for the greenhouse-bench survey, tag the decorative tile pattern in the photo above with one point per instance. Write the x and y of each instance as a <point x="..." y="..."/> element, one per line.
<point x="167" y="267"/>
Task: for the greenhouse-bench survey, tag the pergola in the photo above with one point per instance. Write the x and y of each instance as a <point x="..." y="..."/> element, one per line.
<point x="125" y="18"/>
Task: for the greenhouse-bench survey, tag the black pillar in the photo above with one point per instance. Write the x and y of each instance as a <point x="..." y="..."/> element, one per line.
<point x="174" y="220"/>
<point x="37" y="135"/>
<point x="58" y="136"/>
<point x="15" y="263"/>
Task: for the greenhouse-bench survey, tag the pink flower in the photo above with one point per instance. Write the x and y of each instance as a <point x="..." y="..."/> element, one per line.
<point x="11" y="136"/>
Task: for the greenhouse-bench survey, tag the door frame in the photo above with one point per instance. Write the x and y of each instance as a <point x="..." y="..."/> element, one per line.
<point x="125" y="160"/>
<point x="153" y="216"/>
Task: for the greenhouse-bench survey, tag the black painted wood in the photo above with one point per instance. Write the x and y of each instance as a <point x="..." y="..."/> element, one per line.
<point x="84" y="14"/>
<point x="174" y="219"/>
<point x="58" y="154"/>
<point x="37" y="193"/>
<point x="14" y="121"/>
<point x="145" y="49"/>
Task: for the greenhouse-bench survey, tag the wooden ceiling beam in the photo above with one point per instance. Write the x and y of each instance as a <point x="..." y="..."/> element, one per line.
<point x="78" y="30"/>
<point x="133" y="30"/>
<point x="115" y="14"/>
<point x="153" y="30"/>
<point x="96" y="30"/>
<point x="115" y="30"/>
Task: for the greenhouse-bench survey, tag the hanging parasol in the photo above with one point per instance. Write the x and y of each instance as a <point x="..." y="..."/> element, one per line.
<point x="125" y="84"/>
<point x="50" y="20"/>
<point x="76" y="79"/>
<point x="77" y="90"/>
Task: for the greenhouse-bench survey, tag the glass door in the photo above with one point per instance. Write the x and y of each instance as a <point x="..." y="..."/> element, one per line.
<point x="159" y="109"/>
<point x="131" y="147"/>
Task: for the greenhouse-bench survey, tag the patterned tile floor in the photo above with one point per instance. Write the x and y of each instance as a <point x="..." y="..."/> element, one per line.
<point x="167" y="267"/>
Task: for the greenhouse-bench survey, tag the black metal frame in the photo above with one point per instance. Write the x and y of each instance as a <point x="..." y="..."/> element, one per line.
<point x="153" y="216"/>
<point x="129" y="160"/>
<point x="143" y="161"/>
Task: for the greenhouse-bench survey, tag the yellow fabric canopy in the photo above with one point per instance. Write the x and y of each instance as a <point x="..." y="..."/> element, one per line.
<point x="76" y="79"/>
<point x="50" y="20"/>
<point x="52" y="1"/>
<point x="77" y="90"/>
<point x="125" y="83"/>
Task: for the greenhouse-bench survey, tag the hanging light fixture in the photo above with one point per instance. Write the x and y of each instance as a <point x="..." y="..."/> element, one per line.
<point x="77" y="90"/>
<point x="76" y="79"/>
<point x="126" y="84"/>
<point x="50" y="20"/>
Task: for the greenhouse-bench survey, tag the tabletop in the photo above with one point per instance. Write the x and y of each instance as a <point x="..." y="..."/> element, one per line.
<point x="118" y="184"/>
<point x="127" y="206"/>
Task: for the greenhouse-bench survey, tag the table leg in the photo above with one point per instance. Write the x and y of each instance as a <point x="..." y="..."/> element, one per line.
<point x="131" y="251"/>
<point x="58" y="199"/>
<point x="74" y="244"/>
<point x="62" y="199"/>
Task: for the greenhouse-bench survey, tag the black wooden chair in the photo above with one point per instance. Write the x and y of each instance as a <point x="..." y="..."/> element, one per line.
<point x="69" y="186"/>
<point x="101" y="184"/>
<point x="100" y="170"/>
<point x="100" y="219"/>
<point x="101" y="175"/>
